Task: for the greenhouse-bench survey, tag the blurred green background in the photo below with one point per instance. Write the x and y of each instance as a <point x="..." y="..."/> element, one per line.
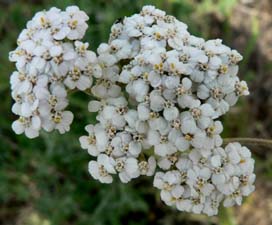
<point x="45" y="181"/>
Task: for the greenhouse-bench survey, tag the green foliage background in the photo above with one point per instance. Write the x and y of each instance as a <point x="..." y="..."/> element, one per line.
<point x="45" y="181"/>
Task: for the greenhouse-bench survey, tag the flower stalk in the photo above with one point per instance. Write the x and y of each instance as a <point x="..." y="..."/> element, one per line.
<point x="261" y="142"/>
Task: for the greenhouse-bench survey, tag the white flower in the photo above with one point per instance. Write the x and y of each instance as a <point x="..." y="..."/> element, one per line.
<point x="170" y="112"/>
<point x="240" y="90"/>
<point x="134" y="25"/>
<point x="45" y="19"/>
<point x="241" y="156"/>
<point x="25" y="105"/>
<point x="147" y="167"/>
<point x="106" y="89"/>
<point x="167" y="181"/>
<point x="222" y="168"/>
<point x="86" y="60"/>
<point x="247" y="183"/>
<point x="124" y="145"/>
<point x="75" y="21"/>
<point x="200" y="157"/>
<point x="21" y="57"/>
<point x="196" y="204"/>
<point x="138" y="89"/>
<point x="30" y="126"/>
<point x="59" y="120"/>
<point x="188" y="203"/>
<point x="232" y="192"/>
<point x="202" y="114"/>
<point x="63" y="62"/>
<point x="41" y="89"/>
<point x="213" y="132"/>
<point x="143" y="111"/>
<point x="94" y="106"/>
<point x="127" y="168"/>
<point x="183" y="165"/>
<point x="216" y="91"/>
<point x="40" y="43"/>
<point x="191" y="136"/>
<point x="175" y="68"/>
<point x="102" y="168"/>
<point x="56" y="100"/>
<point x="184" y="204"/>
<point x="216" y="47"/>
<point x="111" y="115"/>
<point x="162" y="146"/>
<point x="96" y="141"/>
<point x="212" y="203"/>
<point x="77" y="79"/>
<point x="184" y="94"/>
<point x="157" y="102"/>
<point x="199" y="179"/>
<point x="166" y="162"/>
<point x="171" y="197"/>
<point x="20" y="84"/>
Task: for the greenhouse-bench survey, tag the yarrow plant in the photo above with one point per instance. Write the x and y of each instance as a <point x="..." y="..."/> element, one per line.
<point x="159" y="91"/>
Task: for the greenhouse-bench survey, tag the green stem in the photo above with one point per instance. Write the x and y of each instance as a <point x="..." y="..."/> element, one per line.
<point x="250" y="141"/>
<point x="226" y="216"/>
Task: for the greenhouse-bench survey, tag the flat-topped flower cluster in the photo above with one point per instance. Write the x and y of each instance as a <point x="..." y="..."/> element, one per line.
<point x="159" y="94"/>
<point x="50" y="59"/>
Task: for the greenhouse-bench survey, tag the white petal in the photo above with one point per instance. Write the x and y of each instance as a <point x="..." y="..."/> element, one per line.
<point x="18" y="127"/>
<point x="31" y="133"/>
<point x="135" y="148"/>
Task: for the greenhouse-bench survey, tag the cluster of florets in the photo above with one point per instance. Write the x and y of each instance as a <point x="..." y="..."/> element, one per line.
<point x="159" y="94"/>
<point x="50" y="60"/>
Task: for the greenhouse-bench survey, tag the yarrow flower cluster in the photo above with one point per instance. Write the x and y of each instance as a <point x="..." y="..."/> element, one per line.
<point x="159" y="94"/>
<point x="50" y="60"/>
